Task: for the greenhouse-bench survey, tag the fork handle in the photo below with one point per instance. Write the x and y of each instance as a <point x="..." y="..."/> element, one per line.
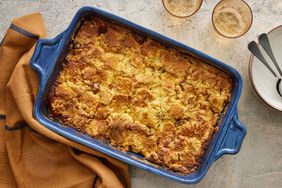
<point x="264" y="41"/>
<point x="253" y="47"/>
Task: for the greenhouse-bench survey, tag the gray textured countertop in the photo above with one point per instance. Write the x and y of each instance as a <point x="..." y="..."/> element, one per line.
<point x="259" y="163"/>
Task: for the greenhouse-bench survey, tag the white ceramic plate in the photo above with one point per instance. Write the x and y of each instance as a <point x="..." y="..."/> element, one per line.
<point x="262" y="80"/>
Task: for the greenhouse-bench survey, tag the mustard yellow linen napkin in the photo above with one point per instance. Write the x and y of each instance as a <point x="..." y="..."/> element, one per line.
<point x="30" y="154"/>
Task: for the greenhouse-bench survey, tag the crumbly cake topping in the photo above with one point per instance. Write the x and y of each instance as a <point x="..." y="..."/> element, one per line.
<point x="138" y="95"/>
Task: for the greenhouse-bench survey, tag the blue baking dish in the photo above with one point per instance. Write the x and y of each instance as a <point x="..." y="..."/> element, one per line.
<point x="47" y="60"/>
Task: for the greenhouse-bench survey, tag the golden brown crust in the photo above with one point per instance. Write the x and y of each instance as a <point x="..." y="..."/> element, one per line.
<point x="139" y="95"/>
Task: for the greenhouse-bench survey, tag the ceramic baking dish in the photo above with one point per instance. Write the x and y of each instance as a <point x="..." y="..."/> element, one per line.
<point x="47" y="60"/>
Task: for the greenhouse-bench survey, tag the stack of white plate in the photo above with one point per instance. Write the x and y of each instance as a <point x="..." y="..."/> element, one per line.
<point x="263" y="82"/>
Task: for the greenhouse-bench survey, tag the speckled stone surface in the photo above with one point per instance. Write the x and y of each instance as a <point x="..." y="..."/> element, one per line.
<point x="259" y="163"/>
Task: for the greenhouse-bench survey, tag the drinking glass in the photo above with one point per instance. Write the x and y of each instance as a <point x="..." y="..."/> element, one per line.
<point x="232" y="18"/>
<point x="182" y="8"/>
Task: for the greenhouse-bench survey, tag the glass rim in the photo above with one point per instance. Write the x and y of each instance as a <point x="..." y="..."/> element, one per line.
<point x="201" y="2"/>
<point x="251" y="23"/>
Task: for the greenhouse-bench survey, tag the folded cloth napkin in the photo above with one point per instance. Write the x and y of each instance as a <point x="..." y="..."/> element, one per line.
<point x="30" y="154"/>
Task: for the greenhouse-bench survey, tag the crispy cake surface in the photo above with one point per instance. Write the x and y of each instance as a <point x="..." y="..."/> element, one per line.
<point x="138" y="95"/>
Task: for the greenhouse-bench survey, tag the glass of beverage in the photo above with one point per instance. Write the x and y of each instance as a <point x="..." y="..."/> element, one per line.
<point x="182" y="8"/>
<point x="232" y="18"/>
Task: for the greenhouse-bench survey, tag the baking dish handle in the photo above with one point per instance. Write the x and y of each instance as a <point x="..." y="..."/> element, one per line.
<point x="44" y="53"/>
<point x="232" y="141"/>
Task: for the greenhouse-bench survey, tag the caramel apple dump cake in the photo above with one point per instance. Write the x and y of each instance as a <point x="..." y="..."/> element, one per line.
<point x="138" y="95"/>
